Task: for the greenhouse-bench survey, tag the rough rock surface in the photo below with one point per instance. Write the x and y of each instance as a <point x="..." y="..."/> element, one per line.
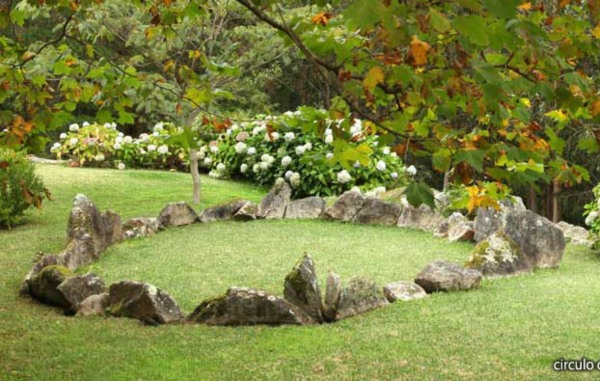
<point x="301" y="287"/>
<point x="359" y="296"/>
<point x="345" y="208"/>
<point x="76" y="289"/>
<point x="423" y="218"/>
<point x="44" y="285"/>
<point x="576" y="235"/>
<point x="247" y="212"/>
<point x="86" y="220"/>
<point x="489" y="220"/>
<point x="177" y="214"/>
<point x="42" y="262"/>
<point x="221" y="212"/>
<point x="378" y="212"/>
<point x="243" y="306"/>
<point x="143" y="301"/>
<point x="333" y="291"/>
<point x="541" y="242"/>
<point x="460" y="228"/>
<point x="274" y="203"/>
<point x="446" y="276"/>
<point x="310" y="207"/>
<point x="497" y="255"/>
<point x="141" y="227"/>
<point x="404" y="291"/>
<point x="94" y="305"/>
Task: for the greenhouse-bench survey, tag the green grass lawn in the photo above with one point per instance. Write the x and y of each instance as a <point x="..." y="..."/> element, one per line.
<point x="510" y="328"/>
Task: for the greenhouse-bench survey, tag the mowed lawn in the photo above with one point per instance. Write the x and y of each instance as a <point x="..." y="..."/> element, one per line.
<point x="509" y="329"/>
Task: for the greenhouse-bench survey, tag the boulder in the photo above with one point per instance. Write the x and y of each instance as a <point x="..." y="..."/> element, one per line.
<point x="310" y="207"/>
<point x="94" y="305"/>
<point x="177" y="214"/>
<point x="441" y="230"/>
<point x="86" y="220"/>
<point x="378" y="212"/>
<point x="44" y="285"/>
<point x="274" y="203"/>
<point x="247" y="212"/>
<point x="542" y="244"/>
<point x="333" y="292"/>
<point x="359" y="296"/>
<point x="141" y="227"/>
<point x="489" y="220"/>
<point x="243" y="306"/>
<point x="301" y="288"/>
<point x="446" y="276"/>
<point x="497" y="255"/>
<point x="576" y="235"/>
<point x="42" y="262"/>
<point x="404" y="291"/>
<point x="77" y="288"/>
<point x="422" y="218"/>
<point x="459" y="228"/>
<point x="143" y="301"/>
<point x="221" y="212"/>
<point x="345" y="208"/>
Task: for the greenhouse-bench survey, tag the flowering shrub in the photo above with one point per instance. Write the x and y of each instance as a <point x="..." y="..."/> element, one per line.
<point x="98" y="145"/>
<point x="20" y="188"/>
<point x="592" y="213"/>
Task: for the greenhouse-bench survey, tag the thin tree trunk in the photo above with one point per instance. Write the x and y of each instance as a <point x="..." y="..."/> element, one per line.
<point x="555" y="205"/>
<point x="195" y="175"/>
<point x="446" y="180"/>
<point x="532" y="199"/>
<point x="548" y="202"/>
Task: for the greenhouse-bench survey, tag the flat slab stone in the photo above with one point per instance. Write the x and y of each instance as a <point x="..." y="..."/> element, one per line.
<point x="221" y="212"/>
<point x="94" y="305"/>
<point x="447" y="276"/>
<point x="144" y="302"/>
<point x="247" y="212"/>
<point x="78" y="288"/>
<point x="345" y="208"/>
<point x="310" y="207"/>
<point x="244" y="306"/>
<point x="141" y="227"/>
<point x="404" y="291"/>
<point x="359" y="296"/>
<point x="422" y="218"/>
<point x="177" y="214"/>
<point x="378" y="212"/>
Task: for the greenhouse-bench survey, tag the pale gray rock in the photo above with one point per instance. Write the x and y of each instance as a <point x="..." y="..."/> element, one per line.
<point x="345" y="208"/>
<point x="576" y="235"/>
<point x="446" y="276"/>
<point x="422" y="218"/>
<point x="359" y="296"/>
<point x="497" y="255"/>
<point x="333" y="292"/>
<point x="301" y="287"/>
<point x="94" y="305"/>
<point x="310" y="207"/>
<point x="273" y="205"/>
<point x="221" y="212"/>
<point x="378" y="212"/>
<point x="144" y="302"/>
<point x="460" y="228"/>
<point x="77" y="288"/>
<point x="141" y="227"/>
<point x="404" y="291"/>
<point x="247" y="212"/>
<point x="177" y="214"/>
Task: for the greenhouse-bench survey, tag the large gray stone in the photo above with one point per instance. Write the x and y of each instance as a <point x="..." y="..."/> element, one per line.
<point x="301" y="287"/>
<point x="310" y="207"/>
<point x="42" y="262"/>
<point x="141" y="227"/>
<point x="460" y="228"/>
<point x="177" y="214"/>
<point x="76" y="289"/>
<point x="86" y="220"/>
<point x="446" y="276"/>
<point x="489" y="220"/>
<point x="576" y="235"/>
<point x="541" y="242"/>
<point x="43" y="286"/>
<point x="404" y="291"/>
<point x="274" y="203"/>
<point x="378" y="212"/>
<point x="345" y="208"/>
<point x="243" y="306"/>
<point x="359" y="296"/>
<point x="94" y="305"/>
<point x="221" y="212"/>
<point x="497" y="255"/>
<point x="333" y="293"/>
<point x="422" y="218"/>
<point x="247" y="212"/>
<point x="143" y="301"/>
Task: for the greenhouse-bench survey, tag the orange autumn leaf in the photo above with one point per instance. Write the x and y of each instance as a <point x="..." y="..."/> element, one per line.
<point x="595" y="108"/>
<point x="321" y="18"/>
<point x="525" y="6"/>
<point x="417" y="52"/>
<point x="374" y="77"/>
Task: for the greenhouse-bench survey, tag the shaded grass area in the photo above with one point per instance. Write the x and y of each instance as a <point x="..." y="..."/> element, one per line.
<point x="510" y="328"/>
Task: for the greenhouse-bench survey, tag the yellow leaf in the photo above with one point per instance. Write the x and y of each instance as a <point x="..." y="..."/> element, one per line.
<point x="595" y="107"/>
<point x="417" y="52"/>
<point x="374" y="77"/>
<point x="596" y="31"/>
<point x="525" y="6"/>
<point x="169" y="65"/>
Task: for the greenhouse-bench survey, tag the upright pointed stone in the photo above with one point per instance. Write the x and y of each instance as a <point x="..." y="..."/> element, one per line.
<point x="359" y="296"/>
<point x="332" y="296"/>
<point x="177" y="214"/>
<point x="345" y="208"/>
<point x="273" y="205"/>
<point x="301" y="288"/>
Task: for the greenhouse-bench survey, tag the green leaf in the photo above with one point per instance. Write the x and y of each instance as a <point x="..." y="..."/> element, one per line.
<point x="589" y="145"/>
<point x="419" y="193"/>
<point x="473" y="157"/>
<point x="505" y="9"/>
<point x="474" y="28"/>
<point x="365" y="13"/>
<point x="556" y="143"/>
<point x="438" y="21"/>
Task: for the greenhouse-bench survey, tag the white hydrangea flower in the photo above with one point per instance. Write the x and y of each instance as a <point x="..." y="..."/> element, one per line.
<point x="329" y="155"/>
<point x="295" y="180"/>
<point x="156" y="134"/>
<point x="158" y="127"/>
<point x="114" y="125"/>
<point x="386" y="150"/>
<point x="234" y="127"/>
<point x="244" y="168"/>
<point x="55" y="147"/>
<point x="74" y="127"/>
<point x="107" y="125"/>
<point x="221" y="167"/>
<point x="119" y="140"/>
<point x="214" y="149"/>
<point x="589" y="220"/>
<point x="85" y="124"/>
<point x="163" y="150"/>
<point x="287" y="160"/>
<point x="328" y="139"/>
<point x="73" y="141"/>
<point x="214" y="174"/>
<point x="394" y="175"/>
<point x="121" y="166"/>
<point x="264" y="165"/>
<point x="273" y="137"/>
<point x="356" y="128"/>
<point x="288" y="113"/>
<point x="151" y="148"/>
<point x="300" y="150"/>
<point x="63" y="136"/>
<point x="394" y="154"/>
<point x="117" y="146"/>
<point x="308" y="146"/>
<point x="203" y="149"/>
<point x="381" y="166"/>
<point x="99" y="157"/>
<point x="412" y="170"/>
<point x="289" y="136"/>
<point x="343" y="177"/>
<point x="288" y="174"/>
<point x="251" y="151"/>
<point x="241" y="148"/>
<point x="207" y="161"/>
<point x="144" y="137"/>
<point x="255" y="168"/>
<point x="357" y="164"/>
<point x="120" y="135"/>
<point x="128" y="139"/>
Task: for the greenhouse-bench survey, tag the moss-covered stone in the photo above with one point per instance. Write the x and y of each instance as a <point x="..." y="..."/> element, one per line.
<point x="44" y="285"/>
<point x="497" y="255"/>
<point x="301" y="287"/>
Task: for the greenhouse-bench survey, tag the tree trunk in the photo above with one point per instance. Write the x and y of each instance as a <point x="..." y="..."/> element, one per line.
<point x="555" y="205"/>
<point x="532" y="199"/>
<point x="195" y="175"/>
<point x="446" y="180"/>
<point x="548" y="197"/>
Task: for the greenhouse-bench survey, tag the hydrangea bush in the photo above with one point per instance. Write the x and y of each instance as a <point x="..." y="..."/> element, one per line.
<point x="592" y="213"/>
<point x="297" y="146"/>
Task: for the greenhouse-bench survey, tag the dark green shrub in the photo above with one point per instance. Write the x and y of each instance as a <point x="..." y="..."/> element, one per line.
<point x="20" y="187"/>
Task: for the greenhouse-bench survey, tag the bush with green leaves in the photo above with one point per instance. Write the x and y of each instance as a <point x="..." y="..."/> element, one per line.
<point x="592" y="213"/>
<point x="20" y="187"/>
